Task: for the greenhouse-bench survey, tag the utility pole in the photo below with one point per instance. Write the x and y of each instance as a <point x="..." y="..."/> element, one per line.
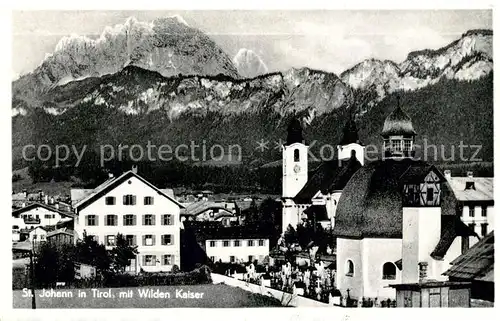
<point x="32" y="276"/>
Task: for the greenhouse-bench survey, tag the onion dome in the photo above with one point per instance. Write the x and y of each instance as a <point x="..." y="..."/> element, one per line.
<point x="398" y="123"/>
<point x="350" y="133"/>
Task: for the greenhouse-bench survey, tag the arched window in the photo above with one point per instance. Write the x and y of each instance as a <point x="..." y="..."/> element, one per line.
<point x="296" y="155"/>
<point x="389" y="271"/>
<point x="349" y="268"/>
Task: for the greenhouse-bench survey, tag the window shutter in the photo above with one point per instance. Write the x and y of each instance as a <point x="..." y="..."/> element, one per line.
<point x="134" y="220"/>
<point x="163" y="219"/>
<point x="96" y="220"/>
<point x="154" y="239"/>
<point x="144" y="240"/>
<point x="134" y="240"/>
<point x="124" y="199"/>
<point x="154" y="257"/>
<point x="143" y="219"/>
<point x="133" y="199"/>
<point x="172" y="239"/>
<point x="172" y="259"/>
<point x="152" y="200"/>
<point x="144" y="260"/>
<point x="153" y="219"/>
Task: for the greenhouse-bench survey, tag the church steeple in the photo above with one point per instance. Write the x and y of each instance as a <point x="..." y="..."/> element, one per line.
<point x="398" y="134"/>
<point x="294" y="132"/>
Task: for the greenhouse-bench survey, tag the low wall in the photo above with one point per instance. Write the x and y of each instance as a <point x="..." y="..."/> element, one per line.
<point x="286" y="299"/>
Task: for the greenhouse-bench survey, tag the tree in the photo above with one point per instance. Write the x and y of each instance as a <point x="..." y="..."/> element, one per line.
<point x="89" y="251"/>
<point x="121" y="254"/>
<point x="46" y="265"/>
<point x="290" y="236"/>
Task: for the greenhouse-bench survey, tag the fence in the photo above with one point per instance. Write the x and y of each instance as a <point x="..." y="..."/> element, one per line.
<point x="287" y="299"/>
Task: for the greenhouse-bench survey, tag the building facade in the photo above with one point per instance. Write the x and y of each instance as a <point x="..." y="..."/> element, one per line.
<point x="237" y="250"/>
<point x="142" y="213"/>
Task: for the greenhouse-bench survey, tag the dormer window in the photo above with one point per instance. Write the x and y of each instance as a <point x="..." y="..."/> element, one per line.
<point x="470" y="185"/>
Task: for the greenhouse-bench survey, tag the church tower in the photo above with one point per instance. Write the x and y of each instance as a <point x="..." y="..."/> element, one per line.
<point x="294" y="172"/>
<point x="398" y="134"/>
<point x="350" y="143"/>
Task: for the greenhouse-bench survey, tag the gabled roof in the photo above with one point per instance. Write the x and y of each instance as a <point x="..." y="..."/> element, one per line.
<point x="328" y="177"/>
<point x="483" y="190"/>
<point x="477" y="263"/>
<point x="417" y="174"/>
<point x="61" y="231"/>
<point x="45" y="206"/>
<point x="451" y="228"/>
<point x="110" y="184"/>
<point x="202" y="206"/>
<point x="217" y="232"/>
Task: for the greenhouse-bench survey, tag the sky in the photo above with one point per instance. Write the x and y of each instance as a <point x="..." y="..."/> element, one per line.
<point x="332" y="40"/>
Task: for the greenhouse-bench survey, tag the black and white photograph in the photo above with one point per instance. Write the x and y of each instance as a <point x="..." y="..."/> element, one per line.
<point x="336" y="159"/>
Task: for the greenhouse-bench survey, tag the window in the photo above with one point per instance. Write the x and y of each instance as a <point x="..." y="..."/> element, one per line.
<point x="349" y="268"/>
<point x="48" y="216"/>
<point x="250" y="258"/>
<point x="129" y="220"/>
<point x="212" y="244"/>
<point x="250" y="242"/>
<point x="484" y="211"/>
<point x="110" y="200"/>
<point x="212" y="258"/>
<point x="296" y="155"/>
<point x="471" y="211"/>
<point x="148" y="240"/>
<point x="148" y="219"/>
<point x="167" y="239"/>
<point x="110" y="240"/>
<point x="111" y="220"/>
<point x="261" y="242"/>
<point x="15" y="227"/>
<point x="129" y="199"/>
<point x="484" y="229"/>
<point x="148" y="200"/>
<point x="91" y="220"/>
<point x="95" y="238"/>
<point x="149" y="260"/>
<point x="232" y="259"/>
<point x="225" y="243"/>
<point x="34" y="236"/>
<point x="131" y="266"/>
<point x="168" y="259"/>
<point x="130" y="240"/>
<point x="407" y="145"/>
<point x="396" y="145"/>
<point x="389" y="271"/>
<point x="237" y="243"/>
<point x="430" y="194"/>
<point x="42" y="237"/>
<point x="167" y="219"/>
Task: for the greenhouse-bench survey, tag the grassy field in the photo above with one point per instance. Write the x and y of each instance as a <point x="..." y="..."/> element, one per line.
<point x="214" y="296"/>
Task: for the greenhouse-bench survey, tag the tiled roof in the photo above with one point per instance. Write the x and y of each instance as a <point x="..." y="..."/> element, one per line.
<point x="202" y="206"/>
<point x="47" y="207"/>
<point x="483" y="190"/>
<point x="371" y="203"/>
<point x="477" y="263"/>
<point x="205" y="232"/>
<point x="111" y="183"/>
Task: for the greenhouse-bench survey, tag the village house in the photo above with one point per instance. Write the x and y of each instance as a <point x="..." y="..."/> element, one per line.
<point x="209" y="211"/>
<point x="40" y="214"/>
<point x="473" y="202"/>
<point x="235" y="244"/>
<point x="146" y="216"/>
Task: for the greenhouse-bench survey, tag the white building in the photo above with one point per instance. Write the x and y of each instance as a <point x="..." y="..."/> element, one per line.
<point x="144" y="214"/>
<point x="324" y="187"/>
<point x="389" y="225"/>
<point x="39" y="214"/>
<point x="235" y="244"/>
<point x="474" y="202"/>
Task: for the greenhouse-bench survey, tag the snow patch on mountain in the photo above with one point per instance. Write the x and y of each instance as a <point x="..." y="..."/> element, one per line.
<point x="249" y="63"/>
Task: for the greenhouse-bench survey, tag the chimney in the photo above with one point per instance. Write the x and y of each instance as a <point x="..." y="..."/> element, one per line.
<point x="57" y="206"/>
<point x="25" y="193"/>
<point x="469" y="184"/>
<point x="447" y="174"/>
<point x="134" y="169"/>
<point x="110" y="175"/>
<point x="46" y="199"/>
<point x="470" y="174"/>
<point x="422" y="270"/>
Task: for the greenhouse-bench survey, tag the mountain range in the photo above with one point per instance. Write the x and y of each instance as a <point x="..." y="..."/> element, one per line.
<point x="122" y="87"/>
